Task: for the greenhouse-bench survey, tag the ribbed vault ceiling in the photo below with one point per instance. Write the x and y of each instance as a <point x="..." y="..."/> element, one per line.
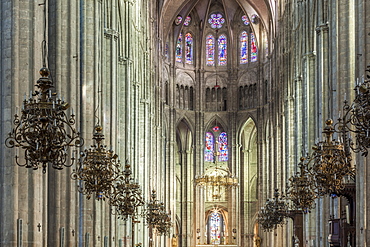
<point x="171" y="8"/>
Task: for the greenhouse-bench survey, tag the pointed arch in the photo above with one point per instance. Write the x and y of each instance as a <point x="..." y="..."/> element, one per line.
<point x="216" y="139"/>
<point x="248" y="151"/>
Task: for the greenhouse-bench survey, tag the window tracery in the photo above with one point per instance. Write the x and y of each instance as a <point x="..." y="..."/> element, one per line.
<point x="216" y="20"/>
<point x="221" y="146"/>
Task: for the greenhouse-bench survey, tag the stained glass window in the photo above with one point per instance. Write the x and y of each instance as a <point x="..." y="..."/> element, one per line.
<point x="222" y="147"/>
<point x="222" y="50"/>
<point x="187" y="21"/>
<point x="179" y="49"/>
<point x="216" y="20"/>
<point x="244" y="47"/>
<point x="210" y="50"/>
<point x="188" y="48"/>
<point x="178" y="20"/>
<point x="245" y="20"/>
<point x="209" y="151"/>
<point x="216" y="128"/>
<point x="253" y="48"/>
<point x="215" y="228"/>
<point x="255" y="19"/>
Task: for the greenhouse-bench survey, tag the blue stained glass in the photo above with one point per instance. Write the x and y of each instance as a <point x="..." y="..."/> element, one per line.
<point x="187" y="21"/>
<point x="188" y="48"/>
<point x="222" y="50"/>
<point x="244" y="47"/>
<point x="216" y="20"/>
<point x="209" y="151"/>
<point x="215" y="228"/>
<point x="245" y="20"/>
<point x="210" y="50"/>
<point x="222" y="148"/>
<point x="179" y="49"/>
<point x="253" y="48"/>
<point x="178" y="20"/>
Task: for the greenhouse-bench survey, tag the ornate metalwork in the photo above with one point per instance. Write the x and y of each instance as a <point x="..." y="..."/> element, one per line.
<point x="98" y="168"/>
<point x="356" y="118"/>
<point x="274" y="212"/>
<point x="127" y="195"/>
<point x="331" y="163"/>
<point x="43" y="131"/>
<point x="216" y="178"/>
<point x="156" y="216"/>
<point x="301" y="188"/>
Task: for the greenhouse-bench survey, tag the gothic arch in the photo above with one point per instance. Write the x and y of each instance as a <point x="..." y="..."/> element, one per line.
<point x="216" y="119"/>
<point x="248" y="170"/>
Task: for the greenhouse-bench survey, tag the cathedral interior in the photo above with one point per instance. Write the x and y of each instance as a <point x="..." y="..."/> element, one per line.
<point x="188" y="123"/>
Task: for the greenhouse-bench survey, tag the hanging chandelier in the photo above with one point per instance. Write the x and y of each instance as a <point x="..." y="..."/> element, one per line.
<point x="97" y="168"/>
<point x="356" y="118"/>
<point x="216" y="179"/>
<point x="127" y="195"/>
<point x="43" y="131"/>
<point x="273" y="213"/>
<point x="331" y="163"/>
<point x="156" y="216"/>
<point x="301" y="188"/>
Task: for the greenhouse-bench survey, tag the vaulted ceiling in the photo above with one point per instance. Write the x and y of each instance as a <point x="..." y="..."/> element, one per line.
<point x="171" y="8"/>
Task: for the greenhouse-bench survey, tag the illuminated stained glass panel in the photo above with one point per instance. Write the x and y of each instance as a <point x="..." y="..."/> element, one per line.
<point x="222" y="147"/>
<point x="178" y="20"/>
<point x="210" y="50"/>
<point x="222" y="50"/>
<point x="188" y="48"/>
<point x="216" y="20"/>
<point x="245" y="20"/>
<point x="209" y="151"/>
<point x="187" y="21"/>
<point x="216" y="128"/>
<point x="244" y="47"/>
<point x="253" y="48"/>
<point x="215" y="228"/>
<point x="179" y="49"/>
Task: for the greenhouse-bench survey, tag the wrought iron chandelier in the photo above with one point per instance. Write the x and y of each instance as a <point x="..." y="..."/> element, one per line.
<point x="301" y="188"/>
<point x="356" y="117"/>
<point x="274" y="212"/>
<point x="156" y="216"/>
<point x="331" y="163"/>
<point x="216" y="178"/>
<point x="43" y="131"/>
<point x="127" y="195"/>
<point x="97" y="168"/>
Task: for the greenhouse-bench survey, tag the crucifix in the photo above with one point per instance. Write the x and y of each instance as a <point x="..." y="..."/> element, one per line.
<point x="39" y="226"/>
